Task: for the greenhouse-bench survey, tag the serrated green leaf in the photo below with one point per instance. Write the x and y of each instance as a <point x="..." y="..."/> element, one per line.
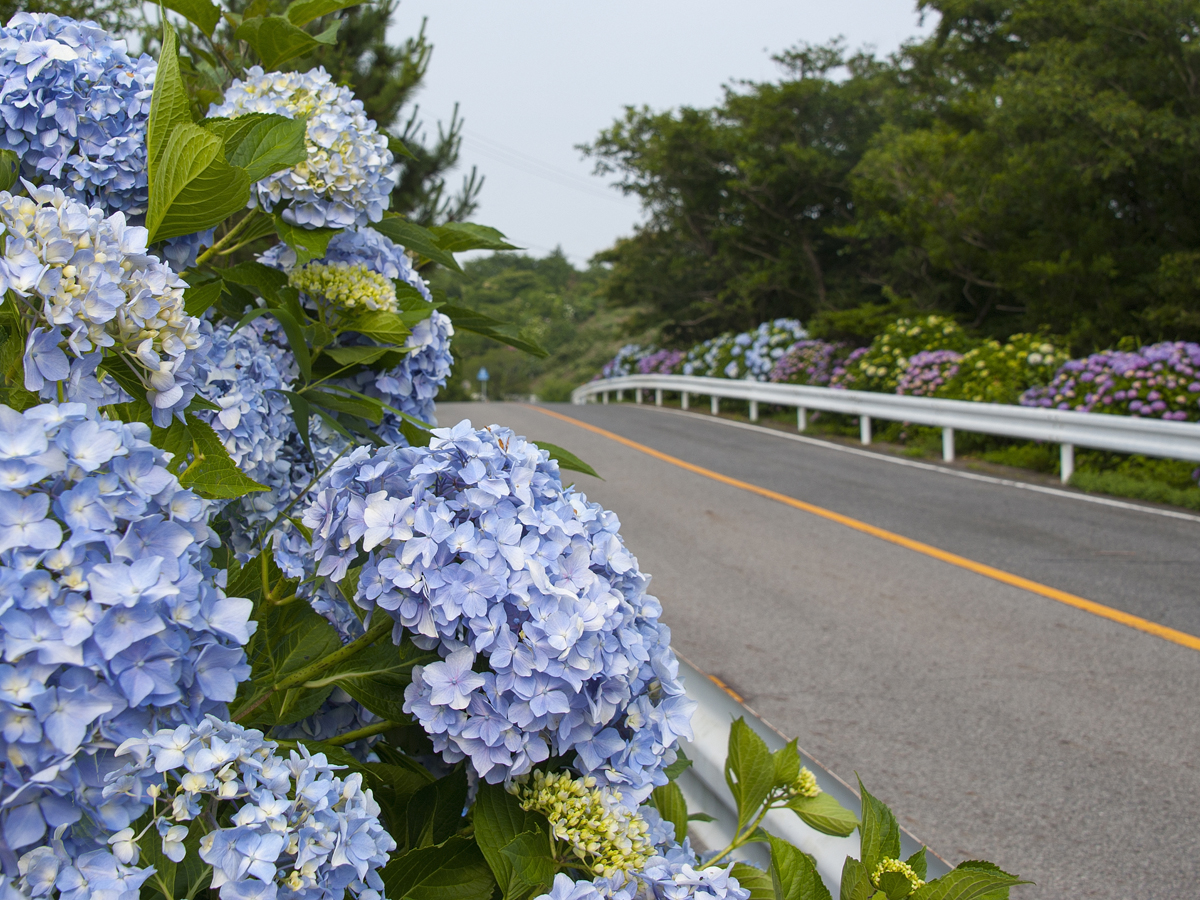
<point x="479" y="323"/>
<point x="263" y="280"/>
<point x="668" y="800"/>
<point x="856" y="881"/>
<point x="308" y="243"/>
<point x="193" y="186"/>
<point x="10" y="169"/>
<point x="701" y="817"/>
<point x="362" y="408"/>
<point x="301" y="12"/>
<point x="169" y="105"/>
<point x="276" y="40"/>
<point x="894" y="885"/>
<point x="287" y="640"/>
<point x="787" y="764"/>
<point x="271" y="145"/>
<point x="436" y="810"/>
<point x="175" y="439"/>
<point x="824" y="814"/>
<point x="499" y="823"/>
<point x="533" y="867"/>
<point x="414" y="434"/>
<point x="566" y="459"/>
<point x="919" y="864"/>
<point x="204" y="14"/>
<point x="749" y="771"/>
<point x="198" y="298"/>
<point x="968" y="883"/>
<point x="379" y="325"/>
<point x="754" y="880"/>
<point x="349" y="356"/>
<point x="456" y="237"/>
<point x="119" y="370"/>
<point x="677" y="768"/>
<point x="377" y="676"/>
<point x="415" y="239"/>
<point x="454" y="870"/>
<point x="879" y="831"/>
<point x="212" y="473"/>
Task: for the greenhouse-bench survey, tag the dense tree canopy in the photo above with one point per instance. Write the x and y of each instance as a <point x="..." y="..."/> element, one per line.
<point x="1028" y="165"/>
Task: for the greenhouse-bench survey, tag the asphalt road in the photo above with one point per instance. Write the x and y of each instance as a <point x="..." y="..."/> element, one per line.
<point x="996" y="722"/>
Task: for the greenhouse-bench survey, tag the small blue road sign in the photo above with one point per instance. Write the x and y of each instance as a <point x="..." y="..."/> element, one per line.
<point x="483" y="375"/>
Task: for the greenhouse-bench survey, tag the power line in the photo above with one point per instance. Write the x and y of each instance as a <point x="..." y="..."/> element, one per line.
<point x="531" y="165"/>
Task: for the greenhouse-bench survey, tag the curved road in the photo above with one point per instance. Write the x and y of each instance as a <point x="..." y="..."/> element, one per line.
<point x="997" y="722"/>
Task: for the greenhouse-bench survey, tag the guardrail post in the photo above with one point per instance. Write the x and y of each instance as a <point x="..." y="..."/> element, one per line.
<point x="606" y="398"/>
<point x="753" y="410"/>
<point x="801" y="418"/>
<point x="864" y="427"/>
<point x="948" y="444"/>
<point x="1067" y="460"/>
<point x="620" y="396"/>
<point x="716" y="404"/>
<point x="637" y="395"/>
<point x="683" y="399"/>
<point x="658" y="396"/>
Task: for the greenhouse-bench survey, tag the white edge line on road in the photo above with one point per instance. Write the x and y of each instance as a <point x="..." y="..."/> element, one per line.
<point x="928" y="467"/>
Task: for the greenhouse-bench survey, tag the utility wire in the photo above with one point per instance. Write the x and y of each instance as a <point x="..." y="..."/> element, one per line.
<point x="538" y="168"/>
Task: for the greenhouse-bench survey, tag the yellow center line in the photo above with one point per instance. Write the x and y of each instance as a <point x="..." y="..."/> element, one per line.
<point x="1096" y="609"/>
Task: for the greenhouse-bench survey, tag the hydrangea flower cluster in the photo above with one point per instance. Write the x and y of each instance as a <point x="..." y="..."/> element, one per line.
<point x="297" y="832"/>
<point x="412" y="385"/>
<point x="660" y="362"/>
<point x="52" y="873"/>
<point x="750" y="355"/>
<point x="110" y="617"/>
<point x="879" y="366"/>
<point x="89" y="285"/>
<point x="608" y="837"/>
<point x="243" y="373"/>
<point x="676" y="874"/>
<point x="999" y="373"/>
<point x="926" y="373"/>
<point x="550" y="644"/>
<point x="75" y="109"/>
<point x="808" y="362"/>
<point x="346" y="286"/>
<point x="1160" y="381"/>
<point x="625" y="362"/>
<point x="349" y="174"/>
<point x="899" y="867"/>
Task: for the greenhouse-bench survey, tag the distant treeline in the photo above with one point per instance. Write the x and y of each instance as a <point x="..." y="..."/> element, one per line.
<point x="1031" y="165"/>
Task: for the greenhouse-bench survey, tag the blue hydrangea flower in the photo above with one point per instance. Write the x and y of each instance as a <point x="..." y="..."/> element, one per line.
<point x="677" y="874"/>
<point x="750" y="355"/>
<point x="297" y="831"/>
<point x="111" y="620"/>
<point x="75" y="109"/>
<point x="52" y="873"/>
<point x="412" y="386"/>
<point x="181" y="252"/>
<point x="86" y="284"/>
<point x="549" y="643"/>
<point x="349" y="174"/>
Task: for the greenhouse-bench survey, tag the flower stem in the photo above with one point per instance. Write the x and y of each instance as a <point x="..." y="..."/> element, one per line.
<point x="351" y="736"/>
<point x="227" y="237"/>
<point x="378" y="630"/>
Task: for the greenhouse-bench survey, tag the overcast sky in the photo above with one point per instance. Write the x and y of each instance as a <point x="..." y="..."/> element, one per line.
<point x="534" y="78"/>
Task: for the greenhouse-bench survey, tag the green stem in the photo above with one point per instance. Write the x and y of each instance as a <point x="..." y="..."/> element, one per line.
<point x="743" y="837"/>
<point x="378" y="630"/>
<point x="227" y="237"/>
<point x="351" y="736"/>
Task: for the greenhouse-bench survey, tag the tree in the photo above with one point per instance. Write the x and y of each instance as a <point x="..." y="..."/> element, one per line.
<point x="741" y="198"/>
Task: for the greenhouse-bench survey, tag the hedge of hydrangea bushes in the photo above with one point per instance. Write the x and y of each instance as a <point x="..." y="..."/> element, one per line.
<point x="266" y="631"/>
<point x="932" y="356"/>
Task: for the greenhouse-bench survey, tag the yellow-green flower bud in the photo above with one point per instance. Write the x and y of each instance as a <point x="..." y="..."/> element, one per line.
<point x="805" y="784"/>
<point x="347" y="286"/>
<point x="896" y="865"/>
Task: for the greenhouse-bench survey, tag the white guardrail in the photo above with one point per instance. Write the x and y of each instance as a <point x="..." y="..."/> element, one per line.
<point x="1124" y="434"/>
<point x="704" y="789"/>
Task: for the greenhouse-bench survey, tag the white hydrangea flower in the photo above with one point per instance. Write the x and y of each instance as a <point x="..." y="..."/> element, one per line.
<point x="349" y="174"/>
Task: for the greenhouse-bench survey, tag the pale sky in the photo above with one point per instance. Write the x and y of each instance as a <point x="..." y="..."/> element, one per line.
<point x="535" y="78"/>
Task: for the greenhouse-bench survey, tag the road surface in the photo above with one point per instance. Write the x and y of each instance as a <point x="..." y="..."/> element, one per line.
<point x="997" y="722"/>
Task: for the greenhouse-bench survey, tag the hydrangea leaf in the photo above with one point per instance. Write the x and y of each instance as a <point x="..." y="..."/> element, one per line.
<point x="567" y="460"/>
<point x="348" y="356"/>
<point x="212" y="473"/>
<point x="918" y="863"/>
<point x="377" y="676"/>
<point x="204" y="14"/>
<point x="415" y="434"/>
<point x="880" y="833"/>
<point x="787" y="764"/>
<point x="269" y="145"/>
<point x="169" y="105"/>
<point x="301" y="12"/>
<point x="10" y="169"/>
<point x="969" y="881"/>
<point x="278" y="657"/>
<point x="749" y="771"/>
<point x="754" y="880"/>
<point x="263" y="280"/>
<point x="533" y="867"/>
<point x="416" y="239"/>
<point x="308" y="243"/>
<point x="499" y="821"/>
<point x="379" y="325"/>
<point x="174" y="880"/>
<point x="681" y="764"/>
<point x="794" y="874"/>
<point x="276" y="40"/>
<point x="200" y="297"/>
<point x="479" y="323"/>
<point x="856" y="881"/>
<point x="668" y="800"/>
<point x="193" y="187"/>
<point x="457" y="237"/>
<point x="453" y="870"/>
<point x="363" y="408"/>
<point x="436" y="811"/>
<point x="824" y="814"/>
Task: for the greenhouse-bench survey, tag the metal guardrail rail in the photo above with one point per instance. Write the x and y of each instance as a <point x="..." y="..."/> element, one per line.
<point x="704" y="789"/>
<point x="1069" y="429"/>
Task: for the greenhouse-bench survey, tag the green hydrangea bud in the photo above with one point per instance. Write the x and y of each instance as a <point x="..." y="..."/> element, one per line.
<point x="347" y="286"/>
<point x="805" y="784"/>
<point x="899" y="866"/>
